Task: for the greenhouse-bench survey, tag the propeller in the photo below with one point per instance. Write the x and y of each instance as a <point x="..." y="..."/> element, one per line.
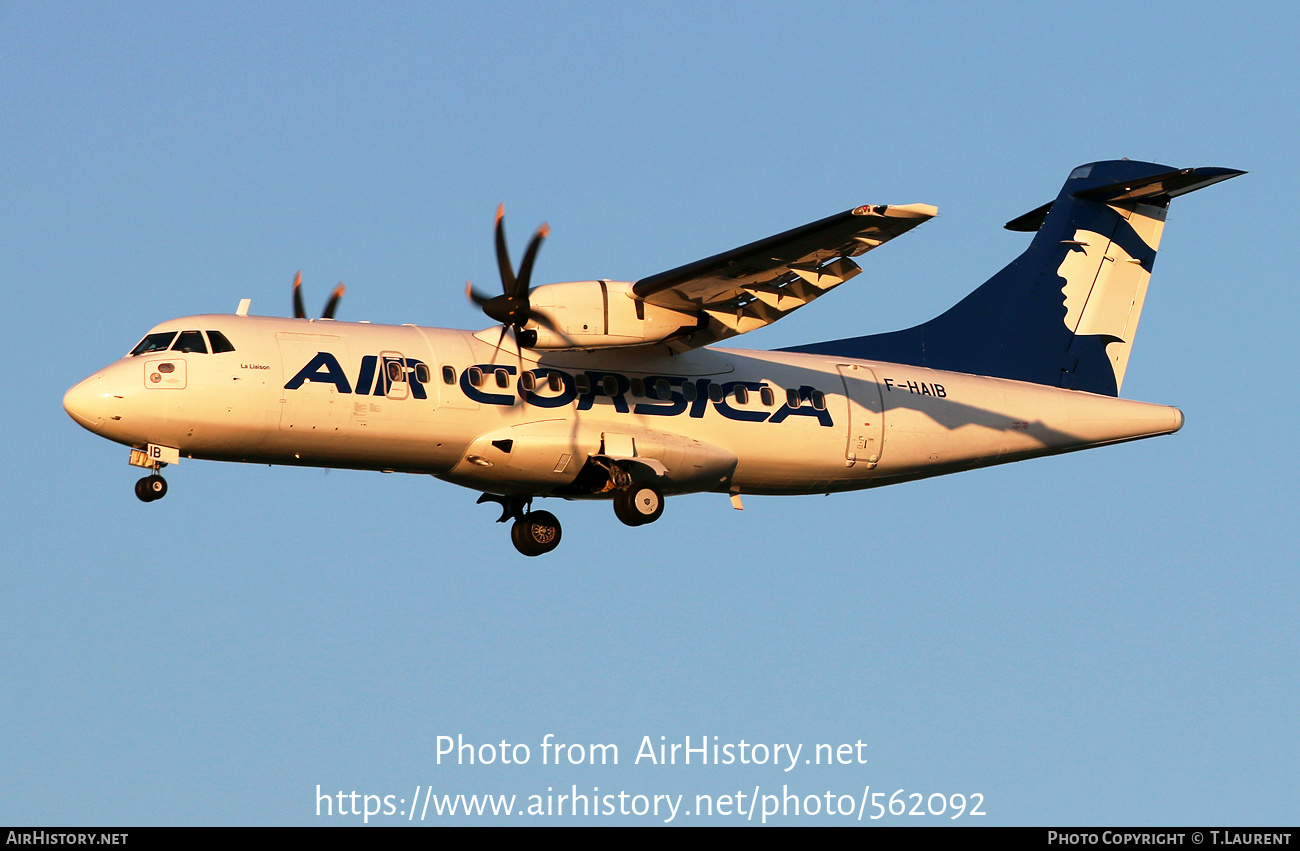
<point x="512" y="308"/>
<point x="300" y="313"/>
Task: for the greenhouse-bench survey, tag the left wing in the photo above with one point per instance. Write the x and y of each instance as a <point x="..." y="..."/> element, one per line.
<point x="757" y="284"/>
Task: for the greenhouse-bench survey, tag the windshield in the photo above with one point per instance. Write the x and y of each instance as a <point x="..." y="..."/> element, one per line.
<point x="190" y="341"/>
<point x="159" y="342"/>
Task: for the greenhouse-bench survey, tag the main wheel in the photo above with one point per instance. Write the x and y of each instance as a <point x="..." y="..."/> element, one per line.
<point x="150" y="488"/>
<point x="536" y="533"/>
<point x="639" y="504"/>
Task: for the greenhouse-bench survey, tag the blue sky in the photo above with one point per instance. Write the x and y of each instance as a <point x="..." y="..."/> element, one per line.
<point x="1106" y="637"/>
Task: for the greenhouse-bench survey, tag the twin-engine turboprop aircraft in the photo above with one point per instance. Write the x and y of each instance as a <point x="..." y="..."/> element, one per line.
<point x="606" y="390"/>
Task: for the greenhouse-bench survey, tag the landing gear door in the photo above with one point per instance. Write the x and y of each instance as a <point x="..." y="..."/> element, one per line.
<point x="864" y="415"/>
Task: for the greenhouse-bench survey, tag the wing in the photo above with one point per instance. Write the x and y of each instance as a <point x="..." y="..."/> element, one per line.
<point x="757" y="284"/>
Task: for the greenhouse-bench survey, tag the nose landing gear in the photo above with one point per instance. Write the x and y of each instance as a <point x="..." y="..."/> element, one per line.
<point x="152" y="458"/>
<point x="150" y="488"/>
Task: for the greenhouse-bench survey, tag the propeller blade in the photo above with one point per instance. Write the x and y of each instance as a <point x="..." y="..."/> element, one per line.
<point x="334" y="301"/>
<point x="298" y="311"/>
<point x="503" y="256"/>
<point x="511" y="308"/>
<point x="526" y="267"/>
<point x="500" y="339"/>
<point x="475" y="296"/>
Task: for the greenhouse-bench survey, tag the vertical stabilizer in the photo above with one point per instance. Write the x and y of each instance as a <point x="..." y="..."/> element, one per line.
<point x="1065" y="312"/>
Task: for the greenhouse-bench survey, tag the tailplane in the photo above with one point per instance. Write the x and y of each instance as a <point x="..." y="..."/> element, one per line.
<point x="1064" y="313"/>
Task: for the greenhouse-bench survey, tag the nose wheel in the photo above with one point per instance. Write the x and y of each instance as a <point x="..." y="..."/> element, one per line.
<point x="150" y="488"/>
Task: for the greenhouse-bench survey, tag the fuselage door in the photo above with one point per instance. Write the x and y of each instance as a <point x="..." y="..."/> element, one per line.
<point x="865" y="415"/>
<point x="393" y="372"/>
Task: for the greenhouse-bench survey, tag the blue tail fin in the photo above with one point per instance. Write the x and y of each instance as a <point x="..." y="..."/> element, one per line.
<point x="1064" y="312"/>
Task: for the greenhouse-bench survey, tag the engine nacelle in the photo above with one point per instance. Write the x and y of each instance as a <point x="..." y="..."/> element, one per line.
<point x="601" y="314"/>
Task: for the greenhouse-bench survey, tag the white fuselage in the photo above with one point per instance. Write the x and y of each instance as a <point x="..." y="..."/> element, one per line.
<point x="451" y="404"/>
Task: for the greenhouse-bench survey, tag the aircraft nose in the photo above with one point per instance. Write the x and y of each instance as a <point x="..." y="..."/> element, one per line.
<point x="87" y="402"/>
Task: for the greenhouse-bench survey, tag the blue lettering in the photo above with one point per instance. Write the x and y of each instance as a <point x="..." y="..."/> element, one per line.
<point x="805" y="409"/>
<point x="384" y="383"/>
<point x="479" y="395"/>
<point x="597" y="381"/>
<point x="367" y="386"/>
<point x="676" y="401"/>
<point x="366" y="378"/>
<point x="322" y="369"/>
<point x="724" y="408"/>
<point x="532" y="397"/>
<point x="701" y="403"/>
<point x="666" y="396"/>
<point x="413" y="378"/>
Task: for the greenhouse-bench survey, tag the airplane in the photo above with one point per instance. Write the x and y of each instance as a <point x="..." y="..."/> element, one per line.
<point x="613" y="390"/>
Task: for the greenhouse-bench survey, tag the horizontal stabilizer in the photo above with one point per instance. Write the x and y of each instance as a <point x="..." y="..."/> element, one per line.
<point x="1031" y="221"/>
<point x="1171" y="184"/>
<point x="1155" y="188"/>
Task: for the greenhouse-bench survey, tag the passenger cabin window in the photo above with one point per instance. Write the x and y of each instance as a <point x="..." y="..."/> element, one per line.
<point x="792" y="398"/>
<point x="219" y="343"/>
<point x="766" y="397"/>
<point x="528" y="381"/>
<point x="422" y="373"/>
<point x="448" y="375"/>
<point x="503" y="378"/>
<point x="742" y="395"/>
<point x="159" y="342"/>
<point x="819" y="400"/>
<point x="554" y="382"/>
<point x="475" y="376"/>
<point x="190" y="342"/>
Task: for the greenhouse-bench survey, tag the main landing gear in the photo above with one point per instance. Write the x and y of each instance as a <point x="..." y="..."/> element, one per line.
<point x="533" y="533"/>
<point x="638" y="504"/>
<point x="536" y="533"/>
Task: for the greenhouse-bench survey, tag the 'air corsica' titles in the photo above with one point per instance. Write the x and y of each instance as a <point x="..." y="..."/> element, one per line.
<point x="546" y="387"/>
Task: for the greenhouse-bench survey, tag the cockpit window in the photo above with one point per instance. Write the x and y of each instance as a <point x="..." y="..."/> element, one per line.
<point x="154" y="343"/>
<point x="219" y="342"/>
<point x="190" y="341"/>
